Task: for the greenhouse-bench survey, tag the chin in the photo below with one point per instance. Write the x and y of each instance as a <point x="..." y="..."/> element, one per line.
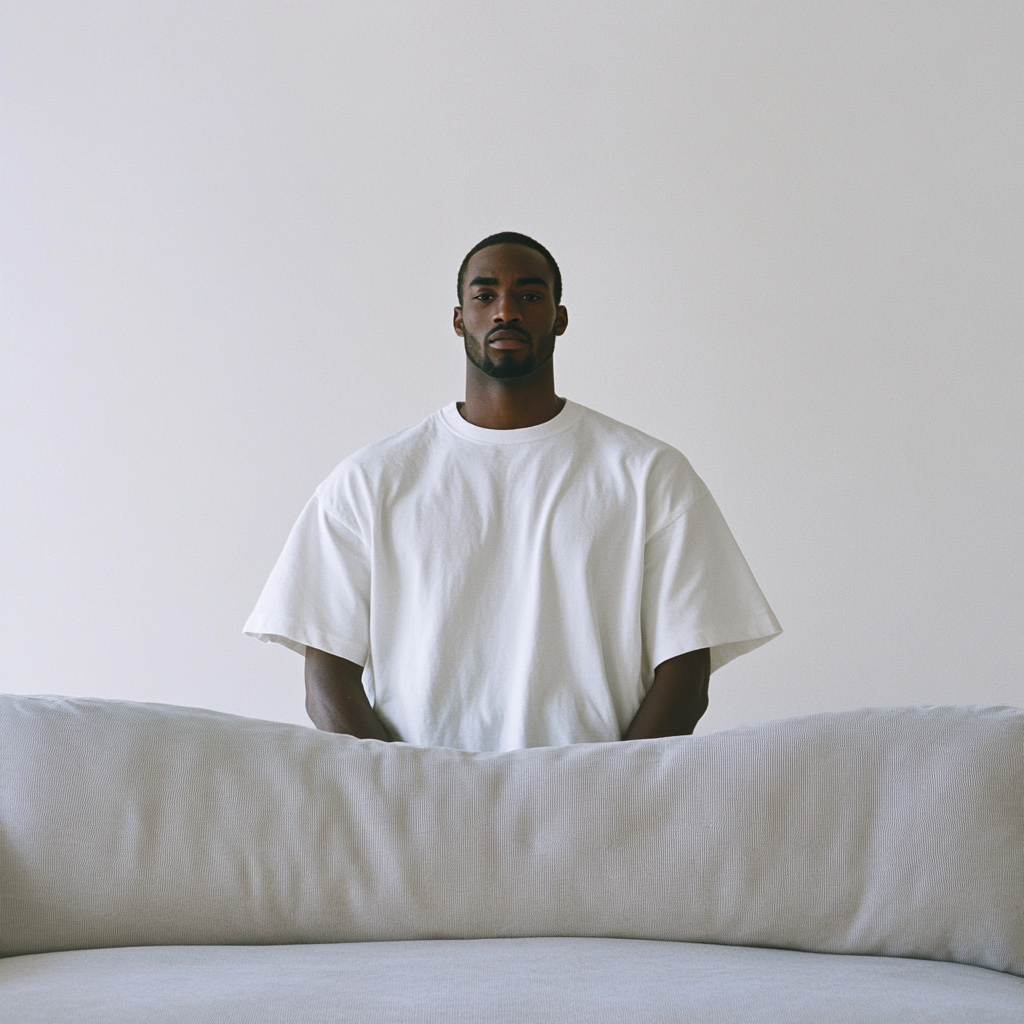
<point x="508" y="369"/>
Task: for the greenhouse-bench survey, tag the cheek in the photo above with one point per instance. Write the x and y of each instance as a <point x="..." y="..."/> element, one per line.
<point x="473" y="322"/>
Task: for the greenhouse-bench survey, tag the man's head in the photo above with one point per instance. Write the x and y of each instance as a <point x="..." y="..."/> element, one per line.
<point x="509" y="315"/>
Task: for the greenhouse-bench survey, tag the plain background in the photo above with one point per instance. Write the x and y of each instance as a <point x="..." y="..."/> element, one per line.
<point x="791" y="241"/>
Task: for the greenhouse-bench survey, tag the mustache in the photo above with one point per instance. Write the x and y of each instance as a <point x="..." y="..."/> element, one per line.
<point x="525" y="335"/>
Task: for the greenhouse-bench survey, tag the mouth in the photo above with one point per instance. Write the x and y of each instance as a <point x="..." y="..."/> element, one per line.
<point x="507" y="339"/>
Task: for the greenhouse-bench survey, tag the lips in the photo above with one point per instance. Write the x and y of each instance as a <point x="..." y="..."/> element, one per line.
<point x="507" y="337"/>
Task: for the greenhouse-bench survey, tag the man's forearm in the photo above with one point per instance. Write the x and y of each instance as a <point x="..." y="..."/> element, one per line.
<point x="677" y="698"/>
<point x="335" y="698"/>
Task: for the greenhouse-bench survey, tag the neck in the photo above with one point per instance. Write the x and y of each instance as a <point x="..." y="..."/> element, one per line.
<point x="499" y="404"/>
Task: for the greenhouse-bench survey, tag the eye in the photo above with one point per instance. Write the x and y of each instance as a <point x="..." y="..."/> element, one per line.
<point x="531" y="297"/>
<point x="482" y="296"/>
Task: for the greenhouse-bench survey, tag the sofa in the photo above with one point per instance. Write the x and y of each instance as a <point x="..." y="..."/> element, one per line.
<point x="167" y="864"/>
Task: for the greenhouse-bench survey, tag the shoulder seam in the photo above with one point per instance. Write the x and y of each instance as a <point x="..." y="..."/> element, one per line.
<point x="661" y="529"/>
<point x="337" y="518"/>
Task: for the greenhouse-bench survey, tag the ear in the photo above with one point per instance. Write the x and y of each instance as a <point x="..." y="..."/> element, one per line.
<point x="457" y="322"/>
<point x="561" y="320"/>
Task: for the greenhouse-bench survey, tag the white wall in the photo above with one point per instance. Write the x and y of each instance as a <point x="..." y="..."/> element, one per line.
<point x="791" y="240"/>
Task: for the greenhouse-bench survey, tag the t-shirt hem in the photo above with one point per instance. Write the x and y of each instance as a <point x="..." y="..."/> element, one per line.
<point x="724" y="648"/>
<point x="297" y="638"/>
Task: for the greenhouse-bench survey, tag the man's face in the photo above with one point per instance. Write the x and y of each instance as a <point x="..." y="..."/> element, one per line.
<point x="509" y="319"/>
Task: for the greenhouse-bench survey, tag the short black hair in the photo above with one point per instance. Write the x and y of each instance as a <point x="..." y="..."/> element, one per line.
<point x="513" y="238"/>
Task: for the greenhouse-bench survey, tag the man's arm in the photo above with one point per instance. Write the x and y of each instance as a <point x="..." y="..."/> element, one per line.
<point x="335" y="698"/>
<point x="677" y="698"/>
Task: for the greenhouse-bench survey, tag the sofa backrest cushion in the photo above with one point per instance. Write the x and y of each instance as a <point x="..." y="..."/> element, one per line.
<point x="891" y="831"/>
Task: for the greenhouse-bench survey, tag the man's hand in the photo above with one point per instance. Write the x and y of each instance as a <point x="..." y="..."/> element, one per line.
<point x="335" y="698"/>
<point x="677" y="698"/>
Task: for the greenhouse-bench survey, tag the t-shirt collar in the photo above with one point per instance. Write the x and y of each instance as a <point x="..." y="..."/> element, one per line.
<point x="567" y="417"/>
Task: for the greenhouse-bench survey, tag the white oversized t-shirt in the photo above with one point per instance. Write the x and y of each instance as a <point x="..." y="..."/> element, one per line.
<point x="512" y="588"/>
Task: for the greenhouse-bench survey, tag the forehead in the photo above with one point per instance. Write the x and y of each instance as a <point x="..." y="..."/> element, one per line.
<point x="508" y="261"/>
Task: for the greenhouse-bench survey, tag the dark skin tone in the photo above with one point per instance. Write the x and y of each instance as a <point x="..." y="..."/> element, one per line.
<point x="509" y="322"/>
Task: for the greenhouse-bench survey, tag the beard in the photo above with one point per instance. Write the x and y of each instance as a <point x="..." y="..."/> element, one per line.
<point x="506" y="368"/>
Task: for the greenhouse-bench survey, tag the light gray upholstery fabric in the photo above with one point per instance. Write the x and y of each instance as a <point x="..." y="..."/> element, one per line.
<point x="897" y="832"/>
<point x="497" y="981"/>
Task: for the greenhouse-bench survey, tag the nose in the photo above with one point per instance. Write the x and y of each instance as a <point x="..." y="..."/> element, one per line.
<point x="506" y="310"/>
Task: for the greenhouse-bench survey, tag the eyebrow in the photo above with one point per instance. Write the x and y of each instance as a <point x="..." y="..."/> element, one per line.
<point x="519" y="282"/>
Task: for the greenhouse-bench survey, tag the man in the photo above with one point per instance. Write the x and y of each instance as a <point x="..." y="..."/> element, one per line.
<point x="516" y="570"/>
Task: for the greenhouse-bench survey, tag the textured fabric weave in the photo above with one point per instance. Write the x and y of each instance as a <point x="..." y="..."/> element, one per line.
<point x="497" y="981"/>
<point x="895" y="831"/>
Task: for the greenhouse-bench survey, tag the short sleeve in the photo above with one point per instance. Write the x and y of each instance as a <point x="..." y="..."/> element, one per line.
<point x="318" y="594"/>
<point x="698" y="591"/>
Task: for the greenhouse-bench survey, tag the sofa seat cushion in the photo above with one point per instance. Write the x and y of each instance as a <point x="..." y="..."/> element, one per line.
<point x="882" y="831"/>
<point x="472" y="981"/>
